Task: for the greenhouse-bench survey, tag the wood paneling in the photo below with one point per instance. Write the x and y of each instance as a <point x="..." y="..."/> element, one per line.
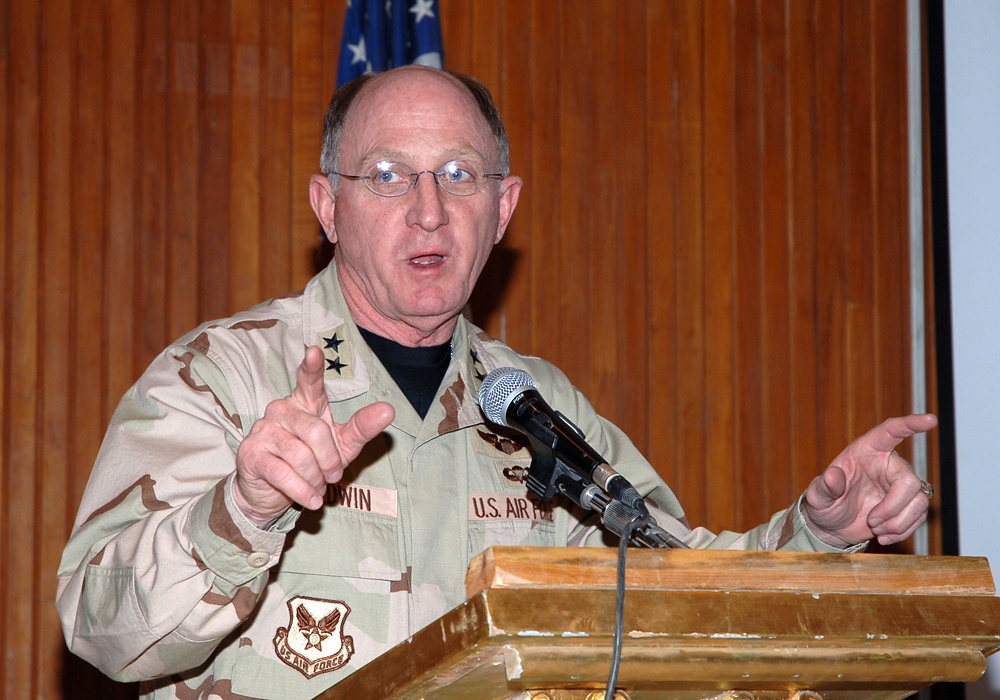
<point x="712" y="237"/>
<point x="711" y="241"/>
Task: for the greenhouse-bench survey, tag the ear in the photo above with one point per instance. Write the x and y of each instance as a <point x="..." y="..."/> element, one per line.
<point x="508" y="203"/>
<point x="322" y="200"/>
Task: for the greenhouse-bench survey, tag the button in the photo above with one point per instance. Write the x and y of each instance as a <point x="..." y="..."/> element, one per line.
<point x="258" y="559"/>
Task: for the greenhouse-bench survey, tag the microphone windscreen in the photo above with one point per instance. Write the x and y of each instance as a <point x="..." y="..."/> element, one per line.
<point x="499" y="388"/>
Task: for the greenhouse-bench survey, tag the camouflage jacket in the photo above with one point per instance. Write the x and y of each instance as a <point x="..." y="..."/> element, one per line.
<point x="164" y="580"/>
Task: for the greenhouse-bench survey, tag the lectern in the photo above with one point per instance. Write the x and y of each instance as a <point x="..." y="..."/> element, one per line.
<point x="539" y="623"/>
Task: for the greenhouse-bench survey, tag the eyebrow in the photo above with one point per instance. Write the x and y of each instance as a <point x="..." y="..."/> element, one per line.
<point x="377" y="155"/>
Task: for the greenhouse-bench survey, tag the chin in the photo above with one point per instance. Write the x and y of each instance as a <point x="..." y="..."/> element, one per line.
<point x="432" y="303"/>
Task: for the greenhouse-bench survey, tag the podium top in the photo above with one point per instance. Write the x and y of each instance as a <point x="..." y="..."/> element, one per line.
<point x="723" y="570"/>
<point x="539" y="622"/>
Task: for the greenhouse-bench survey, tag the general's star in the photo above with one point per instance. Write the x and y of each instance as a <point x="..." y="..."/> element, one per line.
<point x="335" y="364"/>
<point x="422" y="8"/>
<point x="358" y="51"/>
<point x="334" y="342"/>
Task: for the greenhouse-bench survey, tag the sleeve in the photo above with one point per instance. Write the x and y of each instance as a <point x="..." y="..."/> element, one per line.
<point x="161" y="565"/>
<point x="786" y="529"/>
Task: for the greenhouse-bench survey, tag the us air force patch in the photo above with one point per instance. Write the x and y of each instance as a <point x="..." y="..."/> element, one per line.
<point x="314" y="641"/>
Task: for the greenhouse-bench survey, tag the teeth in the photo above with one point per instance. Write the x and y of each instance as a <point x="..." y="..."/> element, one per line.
<point x="426" y="259"/>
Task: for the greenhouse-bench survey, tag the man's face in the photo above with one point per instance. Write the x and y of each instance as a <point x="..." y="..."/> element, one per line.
<point x="408" y="264"/>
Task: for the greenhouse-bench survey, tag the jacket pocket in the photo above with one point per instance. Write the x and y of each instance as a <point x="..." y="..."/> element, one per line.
<point x="328" y="608"/>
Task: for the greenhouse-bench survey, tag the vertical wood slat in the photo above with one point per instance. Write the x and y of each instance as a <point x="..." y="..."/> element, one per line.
<point x="570" y="240"/>
<point x="308" y="104"/>
<point x="21" y="425"/>
<point x="857" y="124"/>
<point x="773" y="471"/>
<point x="689" y="235"/>
<point x="544" y="171"/>
<point x="5" y="462"/>
<point x="86" y="333"/>
<point x="121" y="244"/>
<point x="720" y="251"/>
<point x="662" y="370"/>
<point x="55" y="270"/>
<point x="749" y="357"/>
<point x="892" y="280"/>
<point x="245" y="156"/>
<point x="629" y="161"/>
<point x="711" y="239"/>
<point x="151" y="204"/>
<point x="508" y="267"/>
<point x="829" y="311"/>
<point x="183" y="176"/>
<point x="277" y="188"/>
<point x="214" y="155"/>
<point x="803" y="227"/>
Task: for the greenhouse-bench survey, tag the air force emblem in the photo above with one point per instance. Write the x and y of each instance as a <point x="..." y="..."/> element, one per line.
<point x="314" y="641"/>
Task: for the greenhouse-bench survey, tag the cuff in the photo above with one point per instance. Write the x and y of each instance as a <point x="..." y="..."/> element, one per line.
<point x="818" y="545"/>
<point x="229" y="543"/>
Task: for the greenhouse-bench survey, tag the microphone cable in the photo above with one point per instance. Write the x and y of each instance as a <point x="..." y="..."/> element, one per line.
<point x="616" y="656"/>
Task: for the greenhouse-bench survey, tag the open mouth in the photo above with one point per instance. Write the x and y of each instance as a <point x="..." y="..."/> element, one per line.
<point x="427" y="260"/>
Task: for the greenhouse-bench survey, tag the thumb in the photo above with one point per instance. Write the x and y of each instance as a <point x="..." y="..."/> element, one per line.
<point x="365" y="424"/>
<point x="309" y="391"/>
<point x="826" y="488"/>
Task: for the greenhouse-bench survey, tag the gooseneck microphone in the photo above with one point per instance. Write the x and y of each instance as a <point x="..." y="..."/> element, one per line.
<point x="510" y="397"/>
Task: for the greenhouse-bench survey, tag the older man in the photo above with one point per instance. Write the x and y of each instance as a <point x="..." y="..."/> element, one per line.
<point x="288" y="493"/>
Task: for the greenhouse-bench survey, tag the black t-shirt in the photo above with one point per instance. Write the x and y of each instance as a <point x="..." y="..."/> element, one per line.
<point x="417" y="371"/>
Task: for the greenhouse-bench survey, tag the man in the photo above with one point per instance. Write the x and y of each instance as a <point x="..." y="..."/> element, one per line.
<point x="286" y="494"/>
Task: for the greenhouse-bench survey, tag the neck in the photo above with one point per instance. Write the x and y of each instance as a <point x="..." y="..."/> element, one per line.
<point x="413" y="333"/>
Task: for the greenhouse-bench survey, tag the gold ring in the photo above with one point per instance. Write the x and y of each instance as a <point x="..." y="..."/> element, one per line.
<point x="927" y="488"/>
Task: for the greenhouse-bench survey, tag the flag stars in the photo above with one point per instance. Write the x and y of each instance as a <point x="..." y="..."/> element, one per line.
<point x="358" y="52"/>
<point x="335" y="364"/>
<point x="422" y="8"/>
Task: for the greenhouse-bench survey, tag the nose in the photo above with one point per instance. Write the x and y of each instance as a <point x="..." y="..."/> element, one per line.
<point x="427" y="208"/>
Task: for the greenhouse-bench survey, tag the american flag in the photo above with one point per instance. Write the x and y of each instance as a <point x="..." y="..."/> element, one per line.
<point x="383" y="34"/>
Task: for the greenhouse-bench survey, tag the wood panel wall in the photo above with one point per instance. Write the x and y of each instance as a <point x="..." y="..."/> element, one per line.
<point x="711" y="240"/>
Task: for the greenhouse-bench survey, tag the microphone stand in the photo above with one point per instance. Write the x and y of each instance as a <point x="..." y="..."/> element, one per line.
<point x="549" y="475"/>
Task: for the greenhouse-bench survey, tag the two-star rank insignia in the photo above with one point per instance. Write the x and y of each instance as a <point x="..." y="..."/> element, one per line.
<point x="477" y="365"/>
<point x="337" y="351"/>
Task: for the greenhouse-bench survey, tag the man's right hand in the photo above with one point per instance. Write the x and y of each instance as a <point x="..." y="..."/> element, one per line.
<point x="296" y="449"/>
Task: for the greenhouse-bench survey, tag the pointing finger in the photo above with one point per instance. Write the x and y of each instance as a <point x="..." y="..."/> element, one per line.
<point x="309" y="391"/>
<point x="889" y="434"/>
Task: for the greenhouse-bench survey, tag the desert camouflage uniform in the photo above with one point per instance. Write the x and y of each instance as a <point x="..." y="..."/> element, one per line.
<point x="165" y="579"/>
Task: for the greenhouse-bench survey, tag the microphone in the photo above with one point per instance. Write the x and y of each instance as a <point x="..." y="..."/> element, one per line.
<point x="510" y="397"/>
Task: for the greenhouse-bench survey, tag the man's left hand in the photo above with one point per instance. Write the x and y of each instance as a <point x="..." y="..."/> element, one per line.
<point x="869" y="490"/>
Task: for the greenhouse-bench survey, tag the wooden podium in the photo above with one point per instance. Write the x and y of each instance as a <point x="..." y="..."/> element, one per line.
<point x="539" y="623"/>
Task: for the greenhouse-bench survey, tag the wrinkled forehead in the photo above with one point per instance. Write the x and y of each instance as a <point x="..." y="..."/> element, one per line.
<point x="417" y="100"/>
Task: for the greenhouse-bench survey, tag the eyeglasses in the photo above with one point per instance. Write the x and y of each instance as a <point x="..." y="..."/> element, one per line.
<point x="388" y="179"/>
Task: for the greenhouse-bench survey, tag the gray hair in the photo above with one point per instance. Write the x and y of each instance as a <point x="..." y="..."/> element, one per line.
<point x="342" y="100"/>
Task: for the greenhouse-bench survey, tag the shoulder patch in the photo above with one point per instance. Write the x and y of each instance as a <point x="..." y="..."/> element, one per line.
<point x="314" y="641"/>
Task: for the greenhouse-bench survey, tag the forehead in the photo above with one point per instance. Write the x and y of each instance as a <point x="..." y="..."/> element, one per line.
<point x="416" y="114"/>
